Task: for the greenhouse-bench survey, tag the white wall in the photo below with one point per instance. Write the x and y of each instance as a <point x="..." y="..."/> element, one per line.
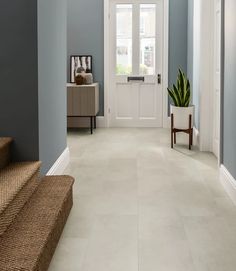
<point x="203" y="70"/>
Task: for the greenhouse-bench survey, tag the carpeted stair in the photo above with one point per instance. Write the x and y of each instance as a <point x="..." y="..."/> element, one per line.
<point x="33" y="213"/>
<point x="5" y="143"/>
<point x="17" y="183"/>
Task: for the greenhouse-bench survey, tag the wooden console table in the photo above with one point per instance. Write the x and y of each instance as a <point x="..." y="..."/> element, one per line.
<point x="83" y="102"/>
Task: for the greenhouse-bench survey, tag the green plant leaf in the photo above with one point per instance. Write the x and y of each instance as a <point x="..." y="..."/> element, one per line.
<point x="181" y="92"/>
<point x="181" y="78"/>
<point x="177" y="95"/>
<point x="187" y="99"/>
<point x="172" y="96"/>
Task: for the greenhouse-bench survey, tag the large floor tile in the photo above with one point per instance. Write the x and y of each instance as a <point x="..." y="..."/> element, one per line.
<point x="113" y="245"/>
<point x="141" y="206"/>
<point x="163" y="244"/>
<point x="69" y="255"/>
<point x="212" y="243"/>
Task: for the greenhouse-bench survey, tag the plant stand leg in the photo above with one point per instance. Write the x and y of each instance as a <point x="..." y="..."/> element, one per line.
<point x="172" y="139"/>
<point x="190" y="132"/>
<point x="172" y="130"/>
<point x="191" y="137"/>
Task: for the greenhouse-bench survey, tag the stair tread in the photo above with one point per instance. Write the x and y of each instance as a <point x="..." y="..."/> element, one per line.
<point x="31" y="234"/>
<point x="13" y="178"/>
<point x="5" y="141"/>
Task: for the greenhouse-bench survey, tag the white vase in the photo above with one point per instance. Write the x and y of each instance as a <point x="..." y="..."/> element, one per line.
<point x="181" y="116"/>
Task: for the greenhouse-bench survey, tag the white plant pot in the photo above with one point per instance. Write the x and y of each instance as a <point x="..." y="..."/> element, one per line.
<point x="181" y="116"/>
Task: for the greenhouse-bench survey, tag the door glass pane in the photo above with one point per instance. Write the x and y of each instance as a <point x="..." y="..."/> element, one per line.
<point x="124" y="39"/>
<point x="147" y="39"/>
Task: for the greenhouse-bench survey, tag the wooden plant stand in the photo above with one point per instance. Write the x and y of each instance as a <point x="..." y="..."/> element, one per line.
<point x="188" y="131"/>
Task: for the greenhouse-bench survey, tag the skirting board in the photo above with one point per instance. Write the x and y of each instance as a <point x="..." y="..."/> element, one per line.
<point x="101" y="122"/>
<point x="195" y="137"/>
<point x="61" y="164"/>
<point x="228" y="182"/>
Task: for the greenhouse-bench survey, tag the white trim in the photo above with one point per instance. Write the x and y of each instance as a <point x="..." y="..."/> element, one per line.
<point x="203" y="83"/>
<point x="106" y="61"/>
<point x="217" y="82"/>
<point x="228" y="182"/>
<point x="61" y="163"/>
<point x="165" y="52"/>
<point x="167" y="122"/>
<point x="101" y="122"/>
<point x="196" y="137"/>
<point x="206" y="74"/>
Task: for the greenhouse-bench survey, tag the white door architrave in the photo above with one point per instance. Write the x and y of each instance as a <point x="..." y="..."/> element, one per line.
<point x="107" y="60"/>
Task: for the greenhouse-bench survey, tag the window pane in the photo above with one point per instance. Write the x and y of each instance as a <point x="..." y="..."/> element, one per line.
<point x="124" y="39"/>
<point x="147" y="39"/>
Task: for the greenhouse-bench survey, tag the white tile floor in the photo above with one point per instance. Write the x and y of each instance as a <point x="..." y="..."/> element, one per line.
<point x="140" y="206"/>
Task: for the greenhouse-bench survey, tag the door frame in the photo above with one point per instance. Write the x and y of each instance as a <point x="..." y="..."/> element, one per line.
<point x="217" y="3"/>
<point x="165" y="67"/>
<point x="204" y="73"/>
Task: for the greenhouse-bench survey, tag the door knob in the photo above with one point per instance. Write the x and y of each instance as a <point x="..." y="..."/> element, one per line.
<point x="159" y="78"/>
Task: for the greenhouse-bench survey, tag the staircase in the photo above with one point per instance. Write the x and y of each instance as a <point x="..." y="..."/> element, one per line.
<point x="33" y="213"/>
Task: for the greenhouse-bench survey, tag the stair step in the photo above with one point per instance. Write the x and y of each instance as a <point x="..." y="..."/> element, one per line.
<point x="5" y="143"/>
<point x="18" y="181"/>
<point x="30" y="242"/>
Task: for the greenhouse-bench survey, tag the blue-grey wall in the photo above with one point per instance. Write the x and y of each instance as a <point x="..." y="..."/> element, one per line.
<point x="178" y="38"/>
<point x="52" y="52"/>
<point x="229" y="109"/>
<point x="18" y="76"/>
<point x="194" y="83"/>
<point x="33" y="78"/>
<point x="190" y="40"/>
<point x="86" y="36"/>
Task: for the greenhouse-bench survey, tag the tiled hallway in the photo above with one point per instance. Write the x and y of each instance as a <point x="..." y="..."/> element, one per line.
<point x="138" y="205"/>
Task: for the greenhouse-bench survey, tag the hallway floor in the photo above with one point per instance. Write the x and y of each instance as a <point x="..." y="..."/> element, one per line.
<point x="141" y="206"/>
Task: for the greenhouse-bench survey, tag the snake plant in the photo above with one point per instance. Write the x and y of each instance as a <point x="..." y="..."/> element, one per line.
<point x="181" y="92"/>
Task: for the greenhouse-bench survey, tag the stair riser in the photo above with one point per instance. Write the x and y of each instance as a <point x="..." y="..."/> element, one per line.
<point x="8" y="216"/>
<point x="4" y="156"/>
<point x="55" y="235"/>
<point x="29" y="243"/>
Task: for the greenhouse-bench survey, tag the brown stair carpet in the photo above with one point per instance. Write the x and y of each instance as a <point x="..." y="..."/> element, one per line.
<point x="5" y="143"/>
<point x="17" y="183"/>
<point x="29" y="243"/>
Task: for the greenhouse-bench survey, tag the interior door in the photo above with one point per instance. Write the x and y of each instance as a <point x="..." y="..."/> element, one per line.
<point x="217" y="79"/>
<point x="136" y="32"/>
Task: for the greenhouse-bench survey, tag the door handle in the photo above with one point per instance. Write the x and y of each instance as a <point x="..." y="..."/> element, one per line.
<point x="159" y="78"/>
<point x="136" y="78"/>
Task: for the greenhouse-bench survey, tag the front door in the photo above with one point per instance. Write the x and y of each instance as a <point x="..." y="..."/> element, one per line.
<point x="136" y="32"/>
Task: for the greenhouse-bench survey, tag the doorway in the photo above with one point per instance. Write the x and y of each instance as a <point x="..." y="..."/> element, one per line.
<point x="136" y="78"/>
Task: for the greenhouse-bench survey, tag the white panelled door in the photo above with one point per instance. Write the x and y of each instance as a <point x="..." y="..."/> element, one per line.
<point x="136" y="33"/>
<point x="217" y="79"/>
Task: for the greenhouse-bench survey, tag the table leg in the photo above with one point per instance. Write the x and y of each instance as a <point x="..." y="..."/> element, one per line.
<point x="95" y="122"/>
<point x="91" y="125"/>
